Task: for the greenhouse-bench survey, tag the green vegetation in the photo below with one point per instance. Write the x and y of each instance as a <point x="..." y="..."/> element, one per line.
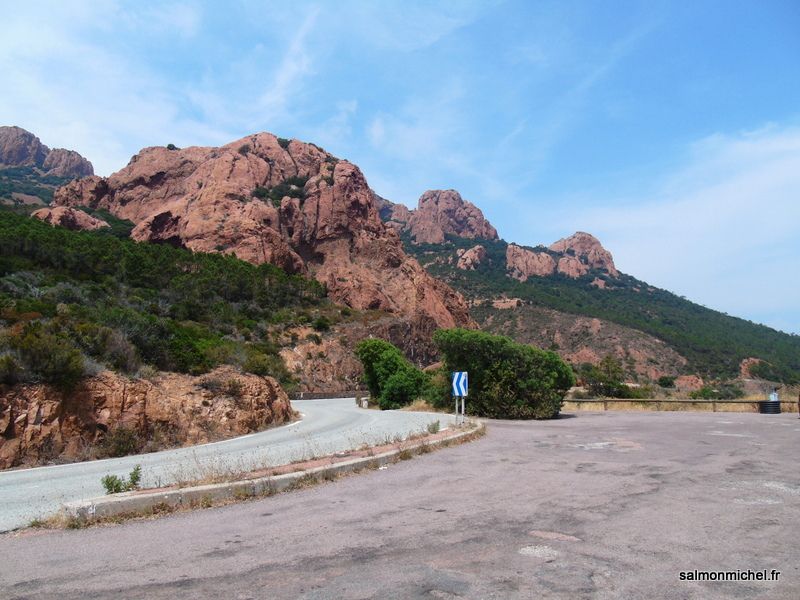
<point x="283" y="143"/>
<point x="29" y="181"/>
<point x="666" y="381"/>
<point x="172" y="147"/>
<point x="72" y="303"/>
<point x="390" y="378"/>
<point x="294" y="187"/>
<point x="116" y="485"/>
<point x="608" y="379"/>
<point x="720" y="391"/>
<point x="713" y="343"/>
<point x="507" y="380"/>
<point x="120" y="228"/>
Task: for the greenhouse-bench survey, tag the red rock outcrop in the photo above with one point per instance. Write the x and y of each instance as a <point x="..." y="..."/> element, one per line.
<point x="586" y="247"/>
<point x="37" y="424"/>
<point x="71" y="218"/>
<point x="20" y="148"/>
<point x="571" y="266"/>
<point x="688" y="383"/>
<point x="523" y="263"/>
<point x="326" y="223"/>
<point x="445" y="212"/>
<point x="746" y="365"/>
<point x="469" y="259"/>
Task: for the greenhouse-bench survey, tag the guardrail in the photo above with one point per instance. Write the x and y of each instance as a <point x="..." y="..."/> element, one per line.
<point x="322" y="395"/>
<point x="672" y="404"/>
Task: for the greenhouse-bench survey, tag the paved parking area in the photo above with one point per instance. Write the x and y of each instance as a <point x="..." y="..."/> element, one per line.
<point x="597" y="505"/>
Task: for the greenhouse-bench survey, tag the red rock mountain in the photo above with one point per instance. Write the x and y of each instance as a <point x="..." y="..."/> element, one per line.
<point x="266" y="199"/>
<point x="573" y="256"/>
<point x="20" y="148"/>
<point x="587" y="248"/>
<point x="440" y="213"/>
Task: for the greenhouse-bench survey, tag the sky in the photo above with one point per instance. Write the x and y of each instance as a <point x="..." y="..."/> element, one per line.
<point x="669" y="130"/>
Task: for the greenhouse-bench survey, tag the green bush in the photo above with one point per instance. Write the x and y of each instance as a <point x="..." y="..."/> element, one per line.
<point x="10" y="370"/>
<point x="49" y="358"/>
<point x="721" y="391"/>
<point x="321" y="323"/>
<point x="283" y="143"/>
<point x="666" y="381"/>
<point x="172" y="147"/>
<point x="606" y="379"/>
<point x="116" y="485"/>
<point x="507" y="380"/>
<point x="388" y="375"/>
<point x="122" y="441"/>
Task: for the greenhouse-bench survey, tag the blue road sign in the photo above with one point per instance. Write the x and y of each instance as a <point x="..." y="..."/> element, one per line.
<point x="460" y="383"/>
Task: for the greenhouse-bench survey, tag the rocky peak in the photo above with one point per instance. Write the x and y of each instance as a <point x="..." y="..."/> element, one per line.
<point x="267" y="199"/>
<point x="445" y="212"/>
<point x="523" y="263"/>
<point x="588" y="249"/>
<point x="20" y="148"/>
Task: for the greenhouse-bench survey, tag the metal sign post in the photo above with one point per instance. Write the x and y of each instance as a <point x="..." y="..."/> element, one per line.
<point x="460" y="388"/>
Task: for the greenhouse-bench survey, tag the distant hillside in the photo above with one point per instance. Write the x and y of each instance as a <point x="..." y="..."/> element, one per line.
<point x="30" y="171"/>
<point x="576" y="276"/>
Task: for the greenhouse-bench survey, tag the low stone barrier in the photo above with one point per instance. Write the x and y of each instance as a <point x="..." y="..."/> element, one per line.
<point x="672" y="404"/>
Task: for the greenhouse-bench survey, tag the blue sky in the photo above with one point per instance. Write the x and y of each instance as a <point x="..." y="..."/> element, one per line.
<point x="671" y="130"/>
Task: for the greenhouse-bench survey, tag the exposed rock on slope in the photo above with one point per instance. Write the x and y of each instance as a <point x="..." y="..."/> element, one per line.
<point x="523" y="263"/>
<point x="587" y="247"/>
<point x="71" y="218"/>
<point x="438" y="213"/>
<point x="20" y="148"/>
<point x="266" y="199"/>
<point x="445" y="212"/>
<point x="469" y="259"/>
<point x="37" y="424"/>
<point x="582" y="339"/>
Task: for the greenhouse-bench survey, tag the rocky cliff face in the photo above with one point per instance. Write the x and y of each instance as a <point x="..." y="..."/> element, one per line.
<point x="265" y="199"/>
<point x="438" y="213"/>
<point x="468" y="260"/>
<point x="37" y="424"/>
<point x="523" y="263"/>
<point x="588" y="249"/>
<point x="20" y="148"/>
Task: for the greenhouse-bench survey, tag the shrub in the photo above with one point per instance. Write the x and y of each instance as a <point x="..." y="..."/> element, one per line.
<point x="122" y="441"/>
<point x="50" y="358"/>
<point x="244" y="149"/>
<point x="606" y="378"/>
<point x="10" y="370"/>
<point x="666" y="381"/>
<point x="722" y="391"/>
<point x="434" y="426"/>
<point x="321" y="323"/>
<point x="283" y="143"/>
<point x="507" y="379"/>
<point x="390" y="378"/>
<point x="116" y="485"/>
<point x="172" y="147"/>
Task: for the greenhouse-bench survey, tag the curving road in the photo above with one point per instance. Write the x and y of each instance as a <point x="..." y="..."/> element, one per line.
<point x="327" y="426"/>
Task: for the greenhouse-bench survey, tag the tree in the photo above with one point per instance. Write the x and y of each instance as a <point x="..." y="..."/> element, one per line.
<point x="508" y="380"/>
<point x="607" y="378"/>
<point x="389" y="376"/>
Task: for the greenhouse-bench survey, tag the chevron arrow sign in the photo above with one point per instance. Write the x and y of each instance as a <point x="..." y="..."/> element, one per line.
<point x="460" y="383"/>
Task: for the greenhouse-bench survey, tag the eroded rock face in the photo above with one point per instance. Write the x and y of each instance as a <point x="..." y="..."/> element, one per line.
<point x="523" y="263"/>
<point x="203" y="199"/>
<point x="37" y="424"/>
<point x="746" y="365"/>
<point x="688" y="383"/>
<point x="469" y="259"/>
<point x="571" y="266"/>
<point x="20" y="148"/>
<point x="585" y="246"/>
<point x="445" y="212"/>
<point x="71" y="218"/>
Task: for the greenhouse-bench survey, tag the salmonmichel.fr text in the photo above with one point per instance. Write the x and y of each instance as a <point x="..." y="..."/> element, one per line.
<point x="746" y="575"/>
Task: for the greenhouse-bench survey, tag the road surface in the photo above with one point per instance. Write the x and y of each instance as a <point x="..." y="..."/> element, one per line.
<point x="328" y="426"/>
<point x="599" y="506"/>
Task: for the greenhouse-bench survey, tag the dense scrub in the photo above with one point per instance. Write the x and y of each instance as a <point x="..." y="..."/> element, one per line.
<point x="714" y="343"/>
<point x="507" y="380"/>
<point x="74" y="302"/>
<point x="390" y="378"/>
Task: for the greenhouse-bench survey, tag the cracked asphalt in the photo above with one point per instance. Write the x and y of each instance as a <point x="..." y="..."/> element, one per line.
<point x="599" y="505"/>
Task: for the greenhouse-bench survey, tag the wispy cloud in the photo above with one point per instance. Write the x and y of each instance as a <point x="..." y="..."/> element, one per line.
<point x="722" y="229"/>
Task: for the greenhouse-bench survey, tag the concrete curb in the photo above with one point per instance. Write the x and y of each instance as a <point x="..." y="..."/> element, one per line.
<point x="131" y="503"/>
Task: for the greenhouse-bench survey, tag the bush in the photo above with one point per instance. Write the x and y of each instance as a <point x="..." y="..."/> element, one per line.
<point x="172" y="147"/>
<point x="10" y="370"/>
<point x="49" y="358"/>
<point x="321" y="323"/>
<point x="666" y="381"/>
<point x="122" y="441"/>
<point x="116" y="485"/>
<point x="391" y="379"/>
<point x="606" y="378"/>
<point x="508" y="380"/>
<point x="283" y="143"/>
<point x="722" y="391"/>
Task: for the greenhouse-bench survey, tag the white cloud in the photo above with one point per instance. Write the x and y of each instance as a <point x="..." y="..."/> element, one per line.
<point x="722" y="230"/>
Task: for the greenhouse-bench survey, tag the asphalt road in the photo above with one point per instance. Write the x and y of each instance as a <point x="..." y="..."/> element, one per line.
<point x="328" y="426"/>
<point x="602" y="505"/>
